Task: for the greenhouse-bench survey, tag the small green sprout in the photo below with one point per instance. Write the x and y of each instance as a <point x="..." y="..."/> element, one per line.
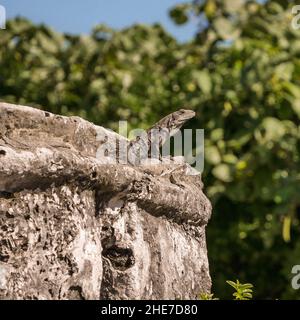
<point x="243" y="291"/>
<point x="207" y="296"/>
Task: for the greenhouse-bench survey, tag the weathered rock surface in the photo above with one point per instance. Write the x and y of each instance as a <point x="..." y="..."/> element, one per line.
<point x="73" y="226"/>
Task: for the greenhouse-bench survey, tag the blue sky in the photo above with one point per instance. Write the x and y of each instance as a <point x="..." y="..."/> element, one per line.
<point x="80" y="16"/>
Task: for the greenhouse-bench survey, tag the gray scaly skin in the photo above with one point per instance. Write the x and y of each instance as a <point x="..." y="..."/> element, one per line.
<point x="141" y="148"/>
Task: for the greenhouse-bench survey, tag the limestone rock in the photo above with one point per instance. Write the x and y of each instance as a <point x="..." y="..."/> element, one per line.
<point x="75" y="226"/>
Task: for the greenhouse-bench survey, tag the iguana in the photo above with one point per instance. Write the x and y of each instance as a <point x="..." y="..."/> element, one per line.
<point x="151" y="142"/>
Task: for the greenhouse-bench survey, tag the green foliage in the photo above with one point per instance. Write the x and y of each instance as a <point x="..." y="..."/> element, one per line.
<point x="242" y="291"/>
<point x="180" y="13"/>
<point x="207" y="296"/>
<point x="241" y="74"/>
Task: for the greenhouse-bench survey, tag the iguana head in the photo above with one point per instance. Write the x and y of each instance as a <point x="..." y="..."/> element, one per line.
<point x="178" y="119"/>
